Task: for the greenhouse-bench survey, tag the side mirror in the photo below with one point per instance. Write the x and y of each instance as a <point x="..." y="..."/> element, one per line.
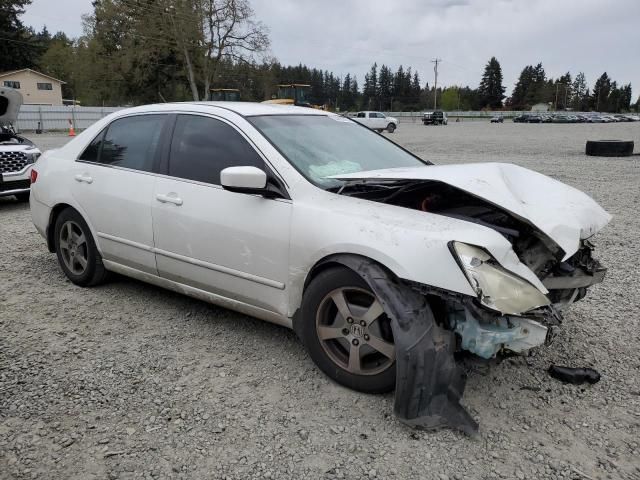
<point x="244" y="180"/>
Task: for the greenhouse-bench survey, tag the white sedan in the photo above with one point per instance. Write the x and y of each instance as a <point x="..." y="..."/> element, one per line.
<point x="383" y="263"/>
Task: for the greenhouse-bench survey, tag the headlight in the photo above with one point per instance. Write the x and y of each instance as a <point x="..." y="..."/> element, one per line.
<point x="32" y="157"/>
<point x="496" y="287"/>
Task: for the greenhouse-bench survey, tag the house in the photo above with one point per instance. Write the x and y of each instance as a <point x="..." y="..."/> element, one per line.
<point x="36" y="88"/>
<point x="540" y="107"/>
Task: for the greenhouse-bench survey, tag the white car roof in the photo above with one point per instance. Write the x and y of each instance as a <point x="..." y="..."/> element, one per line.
<point x="245" y="109"/>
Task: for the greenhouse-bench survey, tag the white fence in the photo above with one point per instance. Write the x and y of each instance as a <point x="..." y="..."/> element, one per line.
<point x="48" y="118"/>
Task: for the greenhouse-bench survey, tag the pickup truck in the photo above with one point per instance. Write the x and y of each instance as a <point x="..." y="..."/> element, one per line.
<point x="377" y="121"/>
<point x="437" y="117"/>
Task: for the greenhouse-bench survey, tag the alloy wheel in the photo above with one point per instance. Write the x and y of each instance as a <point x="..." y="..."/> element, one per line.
<point x="354" y="331"/>
<point x="73" y="247"/>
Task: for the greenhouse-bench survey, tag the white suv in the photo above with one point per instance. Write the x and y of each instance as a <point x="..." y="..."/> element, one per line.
<point x="379" y="260"/>
<point x="17" y="154"/>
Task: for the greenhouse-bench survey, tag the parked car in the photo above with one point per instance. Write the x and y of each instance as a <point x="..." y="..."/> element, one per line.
<point x="17" y="153"/>
<point x="437" y="117"/>
<point x="303" y="218"/>
<point x="522" y="118"/>
<point x="377" y="121"/>
<point x="534" y="119"/>
<point x="497" y="119"/>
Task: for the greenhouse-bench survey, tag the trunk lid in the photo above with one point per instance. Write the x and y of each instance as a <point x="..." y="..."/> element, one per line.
<point x="566" y="215"/>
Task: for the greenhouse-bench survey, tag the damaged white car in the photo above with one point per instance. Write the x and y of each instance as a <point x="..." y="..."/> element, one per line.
<point x="17" y="153"/>
<point x="384" y="264"/>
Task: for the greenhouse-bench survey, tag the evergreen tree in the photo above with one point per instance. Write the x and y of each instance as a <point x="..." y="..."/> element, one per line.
<point x="579" y="96"/>
<point x="19" y="47"/>
<point x="491" y="90"/>
<point x="600" y="94"/>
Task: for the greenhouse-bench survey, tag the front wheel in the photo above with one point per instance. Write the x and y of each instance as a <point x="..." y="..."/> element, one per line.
<point x="391" y="128"/>
<point x="76" y="250"/>
<point x="347" y="333"/>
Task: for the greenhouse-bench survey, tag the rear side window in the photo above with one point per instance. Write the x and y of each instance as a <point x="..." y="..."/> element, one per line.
<point x="129" y="142"/>
<point x="202" y="147"/>
<point x="92" y="152"/>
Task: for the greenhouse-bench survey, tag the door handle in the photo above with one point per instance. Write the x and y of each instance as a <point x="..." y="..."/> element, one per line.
<point x="83" y="178"/>
<point x="170" y="198"/>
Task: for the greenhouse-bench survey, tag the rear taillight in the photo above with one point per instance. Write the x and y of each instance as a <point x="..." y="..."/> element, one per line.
<point x="34" y="176"/>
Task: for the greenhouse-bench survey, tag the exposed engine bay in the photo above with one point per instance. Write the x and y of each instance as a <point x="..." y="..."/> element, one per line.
<point x="566" y="280"/>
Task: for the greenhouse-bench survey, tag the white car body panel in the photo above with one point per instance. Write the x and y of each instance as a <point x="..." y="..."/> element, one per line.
<point x="527" y="194"/>
<point x="254" y="254"/>
<point x="231" y="244"/>
<point x="116" y="204"/>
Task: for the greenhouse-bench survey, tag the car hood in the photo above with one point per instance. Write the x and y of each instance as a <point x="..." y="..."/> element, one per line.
<point x="10" y="103"/>
<point x="566" y="215"/>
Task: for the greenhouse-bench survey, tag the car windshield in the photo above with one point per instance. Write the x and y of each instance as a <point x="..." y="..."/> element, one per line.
<point x="320" y="146"/>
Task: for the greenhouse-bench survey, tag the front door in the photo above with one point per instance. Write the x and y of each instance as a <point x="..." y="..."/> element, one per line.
<point x="230" y="244"/>
<point x="114" y="184"/>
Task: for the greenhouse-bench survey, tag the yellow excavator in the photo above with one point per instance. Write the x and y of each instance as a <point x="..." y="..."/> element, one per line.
<point x="293" y="94"/>
<point x="224" y="95"/>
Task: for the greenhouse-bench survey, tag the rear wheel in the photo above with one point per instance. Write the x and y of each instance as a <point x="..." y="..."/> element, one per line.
<point x="76" y="250"/>
<point x="347" y="333"/>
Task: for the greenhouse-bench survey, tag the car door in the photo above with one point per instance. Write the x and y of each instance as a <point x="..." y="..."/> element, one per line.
<point x="230" y="244"/>
<point x="114" y="185"/>
<point x="378" y="121"/>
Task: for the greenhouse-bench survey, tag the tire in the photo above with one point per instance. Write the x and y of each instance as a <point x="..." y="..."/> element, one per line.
<point x="23" y="197"/>
<point x="374" y="372"/>
<point x="76" y="250"/>
<point x="391" y="128"/>
<point x="609" y="148"/>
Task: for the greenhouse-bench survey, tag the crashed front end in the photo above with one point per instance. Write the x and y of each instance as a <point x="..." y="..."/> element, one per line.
<point x="519" y="292"/>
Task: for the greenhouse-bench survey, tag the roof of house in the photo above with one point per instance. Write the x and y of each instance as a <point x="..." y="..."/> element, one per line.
<point x="12" y="72"/>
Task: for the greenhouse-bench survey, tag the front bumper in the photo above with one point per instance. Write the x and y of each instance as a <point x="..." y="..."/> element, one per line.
<point x="13" y="183"/>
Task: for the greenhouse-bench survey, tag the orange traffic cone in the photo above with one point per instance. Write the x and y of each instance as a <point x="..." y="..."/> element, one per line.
<point x="72" y="131"/>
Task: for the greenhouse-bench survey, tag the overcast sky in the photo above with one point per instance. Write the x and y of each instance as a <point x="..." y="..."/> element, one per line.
<point x="347" y="36"/>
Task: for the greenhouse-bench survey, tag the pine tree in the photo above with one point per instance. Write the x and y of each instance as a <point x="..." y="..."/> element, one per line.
<point x="579" y="93"/>
<point x="491" y="90"/>
<point x="518" y="96"/>
<point x="600" y="94"/>
<point x="19" y="48"/>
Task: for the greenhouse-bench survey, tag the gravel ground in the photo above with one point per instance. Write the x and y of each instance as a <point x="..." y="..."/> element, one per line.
<point x="131" y="381"/>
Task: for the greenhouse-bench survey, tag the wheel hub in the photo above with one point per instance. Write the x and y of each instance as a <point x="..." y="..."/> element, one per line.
<point x="355" y="332"/>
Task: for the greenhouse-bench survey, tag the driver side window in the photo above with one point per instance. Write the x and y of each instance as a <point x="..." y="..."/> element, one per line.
<point x="202" y="147"/>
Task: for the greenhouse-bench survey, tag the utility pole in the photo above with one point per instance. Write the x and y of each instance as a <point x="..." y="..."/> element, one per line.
<point x="435" y="61"/>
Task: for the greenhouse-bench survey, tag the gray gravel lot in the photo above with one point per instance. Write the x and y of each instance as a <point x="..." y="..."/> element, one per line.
<point x="131" y="381"/>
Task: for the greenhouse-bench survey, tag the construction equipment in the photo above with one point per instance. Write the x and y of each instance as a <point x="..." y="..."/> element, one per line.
<point x="224" y="95"/>
<point x="293" y="94"/>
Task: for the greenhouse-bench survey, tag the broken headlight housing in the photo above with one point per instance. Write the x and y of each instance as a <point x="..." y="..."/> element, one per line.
<point x="496" y="287"/>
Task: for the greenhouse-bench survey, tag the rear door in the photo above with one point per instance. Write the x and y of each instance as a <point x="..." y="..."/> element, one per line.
<point x="114" y="182"/>
<point x="231" y="244"/>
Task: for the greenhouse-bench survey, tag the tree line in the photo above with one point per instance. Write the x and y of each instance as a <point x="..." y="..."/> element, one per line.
<point x="144" y="51"/>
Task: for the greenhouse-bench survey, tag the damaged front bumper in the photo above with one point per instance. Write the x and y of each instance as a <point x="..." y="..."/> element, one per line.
<point x="429" y="326"/>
